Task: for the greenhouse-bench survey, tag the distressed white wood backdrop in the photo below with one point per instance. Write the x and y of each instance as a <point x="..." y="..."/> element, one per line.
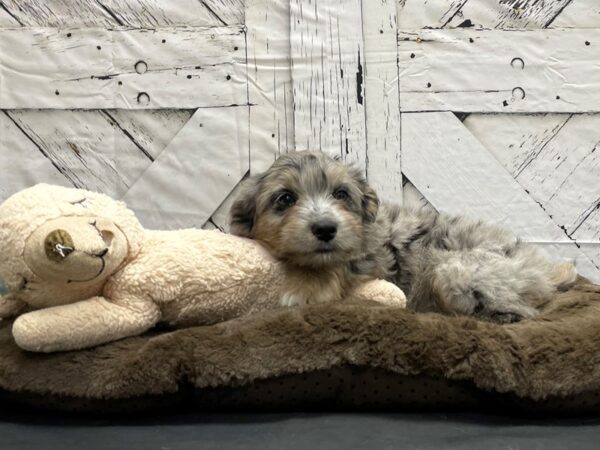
<point x="489" y="108"/>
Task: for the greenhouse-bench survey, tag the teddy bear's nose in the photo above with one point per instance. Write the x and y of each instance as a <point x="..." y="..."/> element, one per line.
<point x="58" y="245"/>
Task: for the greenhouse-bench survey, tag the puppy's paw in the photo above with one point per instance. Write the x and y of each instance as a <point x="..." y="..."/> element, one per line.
<point x="506" y="317"/>
<point x="516" y="315"/>
<point x="291" y="299"/>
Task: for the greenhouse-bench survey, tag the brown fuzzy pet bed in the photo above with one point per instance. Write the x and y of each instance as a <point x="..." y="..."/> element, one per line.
<point x="332" y="356"/>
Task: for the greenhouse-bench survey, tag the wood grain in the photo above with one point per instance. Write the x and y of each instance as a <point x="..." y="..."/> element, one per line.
<point x="201" y="165"/>
<point x="328" y="69"/>
<point x="151" y="130"/>
<point x="98" y="68"/>
<point x="382" y="102"/>
<point x="83" y="146"/>
<point x="508" y="14"/>
<point x="555" y="158"/>
<point x="269" y="82"/>
<point x="522" y="14"/>
<point x="22" y="161"/>
<point x="466" y="179"/>
<point x="477" y="70"/>
<point x="579" y="14"/>
<point x="125" y="13"/>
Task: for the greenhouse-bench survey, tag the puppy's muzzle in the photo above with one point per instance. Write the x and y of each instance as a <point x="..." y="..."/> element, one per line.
<point x="325" y="230"/>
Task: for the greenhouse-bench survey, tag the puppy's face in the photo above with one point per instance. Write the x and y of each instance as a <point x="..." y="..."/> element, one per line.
<point x="309" y="209"/>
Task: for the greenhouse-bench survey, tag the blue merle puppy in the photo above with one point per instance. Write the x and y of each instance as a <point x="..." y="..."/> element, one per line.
<point x="326" y="224"/>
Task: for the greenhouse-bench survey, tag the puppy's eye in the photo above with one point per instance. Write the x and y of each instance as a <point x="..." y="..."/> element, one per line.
<point x="285" y="200"/>
<point x="341" y="194"/>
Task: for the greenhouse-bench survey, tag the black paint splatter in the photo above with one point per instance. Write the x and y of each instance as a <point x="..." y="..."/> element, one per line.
<point x="359" y="81"/>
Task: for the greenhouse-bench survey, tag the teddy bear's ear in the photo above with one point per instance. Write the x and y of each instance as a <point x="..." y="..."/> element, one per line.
<point x="243" y="210"/>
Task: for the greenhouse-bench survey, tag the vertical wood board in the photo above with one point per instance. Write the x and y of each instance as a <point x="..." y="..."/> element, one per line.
<point x="269" y="82"/>
<point x="382" y="101"/>
<point x="328" y="70"/>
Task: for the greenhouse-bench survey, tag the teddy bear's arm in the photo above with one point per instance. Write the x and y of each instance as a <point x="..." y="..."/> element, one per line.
<point x="84" y="324"/>
<point x="10" y="306"/>
<point x="379" y="291"/>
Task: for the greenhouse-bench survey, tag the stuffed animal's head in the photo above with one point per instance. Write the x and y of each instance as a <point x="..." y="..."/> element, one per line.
<point x="62" y="242"/>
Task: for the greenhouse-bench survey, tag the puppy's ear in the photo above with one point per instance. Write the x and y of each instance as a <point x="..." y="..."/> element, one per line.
<point x="243" y="211"/>
<point x="370" y="203"/>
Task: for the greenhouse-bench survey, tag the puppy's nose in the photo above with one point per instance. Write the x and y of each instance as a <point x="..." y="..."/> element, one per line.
<point x="324" y="231"/>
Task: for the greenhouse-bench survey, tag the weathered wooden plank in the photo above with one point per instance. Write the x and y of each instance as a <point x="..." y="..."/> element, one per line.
<point x="328" y="61"/>
<point x="466" y="179"/>
<point x="230" y="12"/>
<point x="159" y="13"/>
<point x="579" y="14"/>
<point x="556" y="160"/>
<point x="413" y="198"/>
<point x="7" y="20"/>
<point x="499" y="71"/>
<point x="414" y="14"/>
<point x="37" y="64"/>
<point x="515" y="139"/>
<point x="196" y="172"/>
<point x="151" y="130"/>
<point x="127" y="13"/>
<point x="522" y="14"/>
<point x="83" y="146"/>
<point x="220" y="218"/>
<point x="270" y="82"/>
<point x="22" y="162"/>
<point x="59" y="13"/>
<point x="382" y="105"/>
<point x="132" y="69"/>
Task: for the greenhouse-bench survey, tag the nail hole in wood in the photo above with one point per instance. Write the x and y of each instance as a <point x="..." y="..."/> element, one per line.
<point x="189" y="77"/>
<point x="587" y="42"/>
<point x="141" y="67"/>
<point x="69" y="34"/>
<point x="518" y="93"/>
<point x="143" y="98"/>
<point x="380" y="31"/>
<point x="228" y="77"/>
<point x="504" y="103"/>
<point x="56" y="92"/>
<point x="471" y="40"/>
<point x="235" y="48"/>
<point x="517" y="63"/>
<point x="558" y="97"/>
<point x="428" y="84"/>
<point x="412" y="55"/>
<point x="273" y="135"/>
<point x="98" y="47"/>
<point x="120" y="83"/>
<point x="164" y="41"/>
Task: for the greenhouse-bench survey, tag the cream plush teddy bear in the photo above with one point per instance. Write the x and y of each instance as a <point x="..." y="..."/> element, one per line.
<point x="81" y="271"/>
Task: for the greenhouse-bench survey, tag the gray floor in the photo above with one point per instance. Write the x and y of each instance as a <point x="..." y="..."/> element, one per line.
<point x="298" y="431"/>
